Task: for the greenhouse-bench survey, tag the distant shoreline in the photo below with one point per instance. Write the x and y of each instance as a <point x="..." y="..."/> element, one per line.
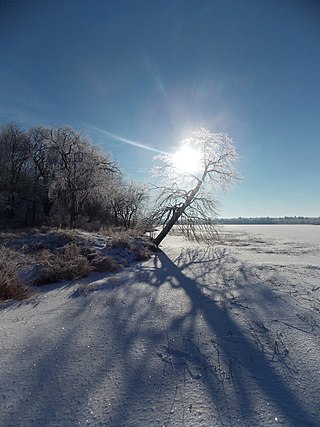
<point x="270" y="220"/>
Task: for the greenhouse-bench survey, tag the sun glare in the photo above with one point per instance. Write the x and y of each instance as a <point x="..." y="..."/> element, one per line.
<point x="187" y="160"/>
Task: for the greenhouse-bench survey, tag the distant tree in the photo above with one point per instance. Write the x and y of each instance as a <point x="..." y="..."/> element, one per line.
<point x="127" y="200"/>
<point x="189" y="181"/>
<point x="44" y="158"/>
<point x="14" y="153"/>
<point x="81" y="170"/>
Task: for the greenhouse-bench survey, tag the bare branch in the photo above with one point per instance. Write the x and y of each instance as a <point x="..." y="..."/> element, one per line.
<point x="186" y="198"/>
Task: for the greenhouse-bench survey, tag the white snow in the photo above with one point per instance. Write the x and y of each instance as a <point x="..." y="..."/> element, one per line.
<point x="197" y="336"/>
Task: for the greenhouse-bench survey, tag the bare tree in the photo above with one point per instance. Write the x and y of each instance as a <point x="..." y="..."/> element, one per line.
<point x="57" y="175"/>
<point x="126" y="201"/>
<point x="188" y="183"/>
<point x="14" y="152"/>
<point x="80" y="171"/>
<point x="45" y="160"/>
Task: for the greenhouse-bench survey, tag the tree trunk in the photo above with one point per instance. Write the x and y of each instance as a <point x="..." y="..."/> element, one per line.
<point x="72" y="213"/>
<point x="177" y="214"/>
<point x="11" y="209"/>
<point x="168" y="226"/>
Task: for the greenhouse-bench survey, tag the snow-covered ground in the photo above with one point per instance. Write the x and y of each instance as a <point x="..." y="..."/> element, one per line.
<point x="226" y="335"/>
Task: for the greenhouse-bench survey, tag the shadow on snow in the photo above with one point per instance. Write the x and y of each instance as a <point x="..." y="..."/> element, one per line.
<point x="169" y="346"/>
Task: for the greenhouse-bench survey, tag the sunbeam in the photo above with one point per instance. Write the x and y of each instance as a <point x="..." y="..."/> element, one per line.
<point x="125" y="140"/>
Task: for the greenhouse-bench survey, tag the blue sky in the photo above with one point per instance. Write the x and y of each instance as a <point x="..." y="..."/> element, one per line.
<point x="151" y="71"/>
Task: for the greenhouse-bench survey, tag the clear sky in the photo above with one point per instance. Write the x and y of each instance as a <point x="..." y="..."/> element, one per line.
<point x="150" y="71"/>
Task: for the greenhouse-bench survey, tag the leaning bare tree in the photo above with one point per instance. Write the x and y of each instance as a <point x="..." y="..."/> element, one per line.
<point x="189" y="181"/>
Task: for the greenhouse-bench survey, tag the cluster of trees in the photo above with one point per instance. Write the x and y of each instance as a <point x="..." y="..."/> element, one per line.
<point x="57" y="176"/>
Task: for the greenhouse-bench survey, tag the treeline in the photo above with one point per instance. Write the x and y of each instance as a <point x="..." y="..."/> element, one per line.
<point x="268" y="220"/>
<point x="56" y="176"/>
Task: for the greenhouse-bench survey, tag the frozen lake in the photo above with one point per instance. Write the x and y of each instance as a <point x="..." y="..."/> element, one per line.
<point x="276" y="244"/>
<point x="307" y="234"/>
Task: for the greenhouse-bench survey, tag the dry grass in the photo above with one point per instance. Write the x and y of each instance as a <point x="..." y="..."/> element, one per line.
<point x="11" y="286"/>
<point x="104" y="263"/>
<point x="134" y="240"/>
<point x="121" y="239"/>
<point x="66" y="263"/>
<point x="42" y="256"/>
<point x="142" y="253"/>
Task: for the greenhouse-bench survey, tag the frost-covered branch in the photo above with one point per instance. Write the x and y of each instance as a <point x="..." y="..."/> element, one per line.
<point x="187" y="197"/>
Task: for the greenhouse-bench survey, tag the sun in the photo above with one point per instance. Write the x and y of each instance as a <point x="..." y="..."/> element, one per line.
<point x="187" y="159"/>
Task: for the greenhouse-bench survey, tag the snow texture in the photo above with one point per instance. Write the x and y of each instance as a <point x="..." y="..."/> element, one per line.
<point x="226" y="335"/>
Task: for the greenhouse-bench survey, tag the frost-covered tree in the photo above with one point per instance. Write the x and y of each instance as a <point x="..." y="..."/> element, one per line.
<point x="189" y="181"/>
<point x="44" y="164"/>
<point x="127" y="200"/>
<point x="14" y="153"/>
<point x="80" y="172"/>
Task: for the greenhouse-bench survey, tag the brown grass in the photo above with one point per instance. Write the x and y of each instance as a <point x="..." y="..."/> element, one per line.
<point x="11" y="286"/>
<point x="66" y="263"/>
<point x="142" y="253"/>
<point x="104" y="263"/>
<point x="49" y="255"/>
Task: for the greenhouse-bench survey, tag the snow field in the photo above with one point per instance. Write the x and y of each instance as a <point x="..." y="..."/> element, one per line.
<point x="226" y="335"/>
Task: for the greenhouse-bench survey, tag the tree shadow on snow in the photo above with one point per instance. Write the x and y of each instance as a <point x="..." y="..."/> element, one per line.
<point x="200" y="340"/>
<point x="234" y="362"/>
<point x="171" y="343"/>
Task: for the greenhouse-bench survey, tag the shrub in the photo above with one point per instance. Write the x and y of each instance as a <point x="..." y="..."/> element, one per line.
<point x="11" y="286"/>
<point x="104" y="263"/>
<point x="65" y="263"/>
<point x="121" y="240"/>
<point x="142" y="254"/>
